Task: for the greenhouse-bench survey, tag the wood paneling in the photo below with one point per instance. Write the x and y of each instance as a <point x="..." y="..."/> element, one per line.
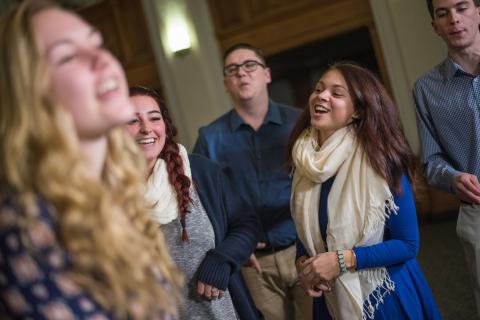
<point x="124" y="29"/>
<point x="277" y="25"/>
<point x="432" y="202"/>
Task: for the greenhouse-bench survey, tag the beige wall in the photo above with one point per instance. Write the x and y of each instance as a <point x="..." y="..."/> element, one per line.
<point x="193" y="81"/>
<point x="410" y="48"/>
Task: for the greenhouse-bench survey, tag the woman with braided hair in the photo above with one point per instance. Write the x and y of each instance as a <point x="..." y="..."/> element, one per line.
<point x="210" y="232"/>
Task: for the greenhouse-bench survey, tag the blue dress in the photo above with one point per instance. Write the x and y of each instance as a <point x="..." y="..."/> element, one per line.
<point x="412" y="297"/>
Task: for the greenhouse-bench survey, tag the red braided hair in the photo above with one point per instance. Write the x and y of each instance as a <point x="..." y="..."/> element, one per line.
<point x="171" y="155"/>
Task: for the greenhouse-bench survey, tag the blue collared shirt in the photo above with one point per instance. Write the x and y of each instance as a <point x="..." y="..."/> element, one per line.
<point x="256" y="162"/>
<point x="448" y="120"/>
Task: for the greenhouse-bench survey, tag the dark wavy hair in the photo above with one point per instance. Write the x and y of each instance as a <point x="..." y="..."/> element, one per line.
<point x="376" y="124"/>
<point x="171" y="155"/>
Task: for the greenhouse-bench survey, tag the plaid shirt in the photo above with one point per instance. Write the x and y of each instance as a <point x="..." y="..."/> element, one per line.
<point x="448" y="120"/>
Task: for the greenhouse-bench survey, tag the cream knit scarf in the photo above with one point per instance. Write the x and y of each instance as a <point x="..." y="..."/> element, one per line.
<point x="161" y="194"/>
<point x="358" y="204"/>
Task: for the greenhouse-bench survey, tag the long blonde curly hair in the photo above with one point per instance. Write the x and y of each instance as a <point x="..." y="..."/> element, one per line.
<point x="117" y="253"/>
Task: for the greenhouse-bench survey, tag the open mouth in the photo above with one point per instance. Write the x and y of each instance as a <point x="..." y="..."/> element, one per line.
<point x="107" y="86"/>
<point x="319" y="109"/>
<point x="146" y="141"/>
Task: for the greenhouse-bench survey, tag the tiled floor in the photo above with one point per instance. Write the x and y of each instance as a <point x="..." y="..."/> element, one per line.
<point x="442" y="261"/>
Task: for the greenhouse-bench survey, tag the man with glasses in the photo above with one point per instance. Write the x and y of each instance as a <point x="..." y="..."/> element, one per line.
<point x="250" y="142"/>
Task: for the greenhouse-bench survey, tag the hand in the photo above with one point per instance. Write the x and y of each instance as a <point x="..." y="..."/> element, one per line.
<point x="323" y="267"/>
<point x="467" y="188"/>
<point x="312" y="290"/>
<point x="253" y="263"/>
<point x="318" y="290"/>
<point x="300" y="264"/>
<point x="261" y="245"/>
<point x="209" y="292"/>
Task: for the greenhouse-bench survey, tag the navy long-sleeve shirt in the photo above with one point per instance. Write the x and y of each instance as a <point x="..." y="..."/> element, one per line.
<point x="255" y="162"/>
<point x="235" y="234"/>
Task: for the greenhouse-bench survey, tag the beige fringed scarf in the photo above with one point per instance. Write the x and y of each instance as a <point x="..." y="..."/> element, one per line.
<point x="358" y="204"/>
<point x="161" y="194"/>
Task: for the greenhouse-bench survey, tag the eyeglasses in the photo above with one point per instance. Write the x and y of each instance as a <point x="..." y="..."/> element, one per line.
<point x="247" y="66"/>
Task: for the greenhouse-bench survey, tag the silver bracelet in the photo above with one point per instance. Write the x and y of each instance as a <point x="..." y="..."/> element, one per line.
<point x="341" y="262"/>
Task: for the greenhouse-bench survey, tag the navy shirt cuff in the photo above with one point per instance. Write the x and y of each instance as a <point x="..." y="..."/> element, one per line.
<point x="214" y="271"/>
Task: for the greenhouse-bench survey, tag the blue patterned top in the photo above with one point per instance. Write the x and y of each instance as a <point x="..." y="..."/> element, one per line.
<point x="34" y="279"/>
<point x="448" y="120"/>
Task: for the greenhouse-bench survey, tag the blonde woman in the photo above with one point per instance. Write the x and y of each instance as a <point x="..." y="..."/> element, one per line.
<point x="75" y="239"/>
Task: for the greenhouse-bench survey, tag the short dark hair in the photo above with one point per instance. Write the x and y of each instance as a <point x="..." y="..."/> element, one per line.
<point x="430" y="6"/>
<point x="258" y="52"/>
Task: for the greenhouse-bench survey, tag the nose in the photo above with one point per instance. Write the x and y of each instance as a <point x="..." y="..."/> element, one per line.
<point x="100" y="57"/>
<point x="145" y="127"/>
<point x="323" y="95"/>
<point x="454" y="16"/>
<point x="241" y="72"/>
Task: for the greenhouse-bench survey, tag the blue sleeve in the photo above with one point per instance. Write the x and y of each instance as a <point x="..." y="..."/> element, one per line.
<point x="437" y="169"/>
<point x="301" y="251"/>
<point x="35" y="284"/>
<point x="402" y="238"/>
<point x="201" y="146"/>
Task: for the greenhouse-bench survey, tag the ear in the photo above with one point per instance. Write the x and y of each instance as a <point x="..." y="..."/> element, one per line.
<point x="268" y="76"/>
<point x="225" y="84"/>
<point x="478" y="11"/>
<point x="434" y="26"/>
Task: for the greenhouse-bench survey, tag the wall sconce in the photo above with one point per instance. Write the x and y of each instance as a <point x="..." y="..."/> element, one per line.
<point x="178" y="35"/>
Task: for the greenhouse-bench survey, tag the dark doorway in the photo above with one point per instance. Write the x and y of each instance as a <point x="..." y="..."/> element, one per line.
<point x="295" y="71"/>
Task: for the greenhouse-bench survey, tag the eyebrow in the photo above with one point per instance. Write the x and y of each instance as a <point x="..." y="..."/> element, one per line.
<point x="334" y="86"/>
<point x="243" y="62"/>
<point x="68" y="41"/>
<point x="339" y="86"/>
<point x="454" y="5"/>
<point x="149" y="112"/>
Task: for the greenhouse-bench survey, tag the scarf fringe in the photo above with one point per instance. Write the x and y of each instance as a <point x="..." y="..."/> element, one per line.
<point x="379" y="215"/>
<point x="390" y="207"/>
<point x="373" y="301"/>
<point x="358" y="205"/>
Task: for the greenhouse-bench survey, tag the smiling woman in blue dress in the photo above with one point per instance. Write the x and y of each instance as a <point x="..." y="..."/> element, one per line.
<point x="353" y="205"/>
